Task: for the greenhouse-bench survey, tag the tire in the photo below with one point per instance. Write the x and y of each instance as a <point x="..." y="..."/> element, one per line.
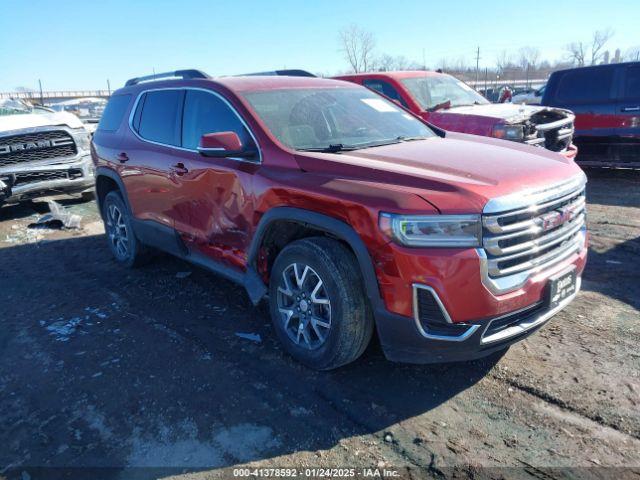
<point x="124" y="245"/>
<point x="321" y="335"/>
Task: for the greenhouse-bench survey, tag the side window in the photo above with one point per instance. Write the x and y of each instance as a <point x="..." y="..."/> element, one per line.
<point x="206" y="113"/>
<point x="632" y="83"/>
<point x="160" y="116"/>
<point x="385" y="88"/>
<point x="589" y="85"/>
<point x="113" y="113"/>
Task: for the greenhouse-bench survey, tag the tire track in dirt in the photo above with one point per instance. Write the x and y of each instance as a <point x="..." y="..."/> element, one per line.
<point x="562" y="404"/>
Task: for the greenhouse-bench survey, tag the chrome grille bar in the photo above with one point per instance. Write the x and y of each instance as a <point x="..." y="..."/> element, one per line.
<point x="530" y="237"/>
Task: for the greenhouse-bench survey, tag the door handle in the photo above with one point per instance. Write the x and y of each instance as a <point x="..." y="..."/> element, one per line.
<point x="122" y="157"/>
<point x="631" y="109"/>
<point x="179" y="169"/>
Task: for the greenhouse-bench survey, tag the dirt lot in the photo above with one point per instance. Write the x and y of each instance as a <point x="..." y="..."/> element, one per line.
<point x="115" y="369"/>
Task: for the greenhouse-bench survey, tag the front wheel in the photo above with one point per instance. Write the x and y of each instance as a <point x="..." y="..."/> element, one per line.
<point x="318" y="303"/>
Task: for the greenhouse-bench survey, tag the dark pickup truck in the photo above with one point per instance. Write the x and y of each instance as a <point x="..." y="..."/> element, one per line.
<point x="606" y="103"/>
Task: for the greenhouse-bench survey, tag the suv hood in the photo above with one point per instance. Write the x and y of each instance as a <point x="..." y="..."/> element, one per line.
<point x="456" y="174"/>
<point x="507" y="112"/>
<point x="41" y="119"/>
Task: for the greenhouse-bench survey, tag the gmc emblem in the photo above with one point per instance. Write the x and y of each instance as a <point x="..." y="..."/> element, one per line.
<point x="555" y="218"/>
<point x="23" y="146"/>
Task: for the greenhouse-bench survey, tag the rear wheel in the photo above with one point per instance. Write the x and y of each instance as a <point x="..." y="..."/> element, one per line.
<point x="318" y="303"/>
<point x="124" y="245"/>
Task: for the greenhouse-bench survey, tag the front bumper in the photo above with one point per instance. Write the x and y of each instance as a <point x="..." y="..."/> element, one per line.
<point x="21" y="182"/>
<point x="470" y="309"/>
<point x="404" y="340"/>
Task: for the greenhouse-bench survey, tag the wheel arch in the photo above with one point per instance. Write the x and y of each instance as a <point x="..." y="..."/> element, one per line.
<point x="108" y="180"/>
<point x="324" y="223"/>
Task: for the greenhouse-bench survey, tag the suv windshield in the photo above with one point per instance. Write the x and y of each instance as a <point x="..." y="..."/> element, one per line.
<point x="432" y="91"/>
<point x="12" y="106"/>
<point x="334" y="119"/>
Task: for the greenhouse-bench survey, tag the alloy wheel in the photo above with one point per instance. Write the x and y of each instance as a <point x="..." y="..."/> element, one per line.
<point x="304" y="306"/>
<point x="117" y="231"/>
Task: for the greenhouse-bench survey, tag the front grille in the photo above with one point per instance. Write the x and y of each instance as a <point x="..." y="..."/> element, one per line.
<point x="546" y="129"/>
<point x="32" y="147"/>
<point x="532" y="237"/>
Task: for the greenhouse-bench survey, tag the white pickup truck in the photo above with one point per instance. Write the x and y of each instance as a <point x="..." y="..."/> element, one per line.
<point x="42" y="152"/>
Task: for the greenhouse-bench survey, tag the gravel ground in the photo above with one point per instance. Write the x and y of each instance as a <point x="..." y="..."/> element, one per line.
<point x="146" y="373"/>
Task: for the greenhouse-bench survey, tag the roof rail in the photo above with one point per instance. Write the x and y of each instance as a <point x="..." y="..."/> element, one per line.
<point x="184" y="74"/>
<point x="283" y="73"/>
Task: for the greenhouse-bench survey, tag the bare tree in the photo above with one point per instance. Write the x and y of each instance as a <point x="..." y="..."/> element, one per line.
<point x="357" y="45"/>
<point x="632" y="54"/>
<point x="528" y="57"/>
<point x="599" y="40"/>
<point x="503" y="61"/>
<point x="387" y="63"/>
<point x="576" y="53"/>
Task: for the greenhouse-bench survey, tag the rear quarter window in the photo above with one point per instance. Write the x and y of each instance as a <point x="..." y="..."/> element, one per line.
<point x="114" y="112"/>
<point x="589" y="85"/>
<point x="161" y="115"/>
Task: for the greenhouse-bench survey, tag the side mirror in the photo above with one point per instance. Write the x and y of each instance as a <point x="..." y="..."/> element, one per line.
<point x="223" y="144"/>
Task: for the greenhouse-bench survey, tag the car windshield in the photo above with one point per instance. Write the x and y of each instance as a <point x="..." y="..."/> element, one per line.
<point x="10" y="106"/>
<point x="432" y="91"/>
<point x="334" y="119"/>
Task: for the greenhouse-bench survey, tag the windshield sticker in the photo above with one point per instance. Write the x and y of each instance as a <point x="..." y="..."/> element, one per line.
<point x="378" y="104"/>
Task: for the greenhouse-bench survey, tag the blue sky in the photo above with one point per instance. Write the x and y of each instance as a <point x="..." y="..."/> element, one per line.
<point x="80" y="44"/>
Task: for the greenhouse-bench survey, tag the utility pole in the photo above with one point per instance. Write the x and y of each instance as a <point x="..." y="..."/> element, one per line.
<point x="486" y="77"/>
<point x="424" y="60"/>
<point x="477" y="65"/>
<point x="41" y="99"/>
<point x="108" y="87"/>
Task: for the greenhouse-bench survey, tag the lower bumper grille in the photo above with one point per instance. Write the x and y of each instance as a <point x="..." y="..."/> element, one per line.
<point x="25" y="178"/>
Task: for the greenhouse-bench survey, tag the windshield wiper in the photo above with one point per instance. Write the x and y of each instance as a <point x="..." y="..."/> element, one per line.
<point x="340" y="147"/>
<point x="402" y="138"/>
<point x="332" y="148"/>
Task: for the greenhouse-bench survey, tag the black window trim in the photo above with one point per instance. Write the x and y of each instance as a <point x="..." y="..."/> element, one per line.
<point x="184" y="90"/>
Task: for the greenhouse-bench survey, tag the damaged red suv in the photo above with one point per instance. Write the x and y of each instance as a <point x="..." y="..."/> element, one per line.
<point x="448" y="103"/>
<point x="345" y="212"/>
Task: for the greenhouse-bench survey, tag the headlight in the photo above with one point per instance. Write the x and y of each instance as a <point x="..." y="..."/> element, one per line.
<point x="82" y="139"/>
<point x="509" y="132"/>
<point x="432" y="230"/>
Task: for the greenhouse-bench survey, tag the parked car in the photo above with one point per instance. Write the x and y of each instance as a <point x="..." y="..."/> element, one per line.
<point x="343" y="210"/>
<point x="606" y="101"/>
<point x="42" y="152"/>
<point x="452" y="105"/>
<point x="530" y="97"/>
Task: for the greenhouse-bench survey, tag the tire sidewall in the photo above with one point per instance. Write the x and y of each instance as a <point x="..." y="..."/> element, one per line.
<point x="324" y="354"/>
<point x="114" y="198"/>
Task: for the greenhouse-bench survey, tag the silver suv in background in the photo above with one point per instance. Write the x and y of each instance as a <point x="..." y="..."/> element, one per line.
<point x="42" y="152"/>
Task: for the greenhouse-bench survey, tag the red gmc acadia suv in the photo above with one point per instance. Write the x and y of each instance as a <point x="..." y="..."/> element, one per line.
<point x="345" y="211"/>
